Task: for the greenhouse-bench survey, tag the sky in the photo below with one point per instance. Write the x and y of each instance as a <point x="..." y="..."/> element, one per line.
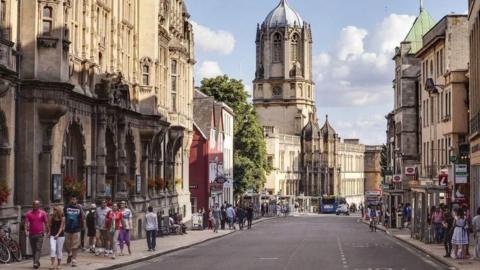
<point x="354" y="41"/>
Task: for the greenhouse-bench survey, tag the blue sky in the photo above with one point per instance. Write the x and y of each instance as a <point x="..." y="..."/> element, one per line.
<point x="353" y="46"/>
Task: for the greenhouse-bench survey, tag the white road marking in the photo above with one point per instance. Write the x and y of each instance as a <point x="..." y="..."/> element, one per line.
<point x="272" y="258"/>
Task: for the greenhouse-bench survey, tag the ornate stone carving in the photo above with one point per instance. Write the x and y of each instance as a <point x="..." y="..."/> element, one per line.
<point x="114" y="90"/>
<point x="47" y="42"/>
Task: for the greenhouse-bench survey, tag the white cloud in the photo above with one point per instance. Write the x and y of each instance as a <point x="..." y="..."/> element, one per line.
<point x="210" y="69"/>
<point x="359" y="71"/>
<point x="209" y="40"/>
<point x="371" y="130"/>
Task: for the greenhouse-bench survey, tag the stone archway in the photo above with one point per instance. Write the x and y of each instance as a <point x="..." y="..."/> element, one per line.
<point x="130" y="161"/>
<point x="74" y="154"/>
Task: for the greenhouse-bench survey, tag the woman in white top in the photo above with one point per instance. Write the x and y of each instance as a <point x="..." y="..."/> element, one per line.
<point x="151" y="227"/>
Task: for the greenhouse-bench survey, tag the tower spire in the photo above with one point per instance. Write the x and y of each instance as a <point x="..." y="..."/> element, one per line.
<point x="421" y="6"/>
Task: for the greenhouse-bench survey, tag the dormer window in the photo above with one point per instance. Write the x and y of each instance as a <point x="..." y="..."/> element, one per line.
<point x="47" y="21"/>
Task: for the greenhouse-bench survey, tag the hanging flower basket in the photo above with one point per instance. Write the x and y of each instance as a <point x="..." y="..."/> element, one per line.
<point x="131" y="185"/>
<point x="151" y="184"/>
<point x="4" y="192"/>
<point x="159" y="183"/>
<point x="72" y="187"/>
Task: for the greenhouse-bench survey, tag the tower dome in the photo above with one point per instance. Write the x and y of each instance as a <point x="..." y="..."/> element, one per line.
<point x="283" y="15"/>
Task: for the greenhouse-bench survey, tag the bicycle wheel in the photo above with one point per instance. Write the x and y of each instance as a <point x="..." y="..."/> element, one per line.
<point x="15" y="250"/>
<point x="5" y="255"/>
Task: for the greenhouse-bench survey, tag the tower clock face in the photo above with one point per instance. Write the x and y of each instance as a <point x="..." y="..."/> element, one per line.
<point x="277" y="91"/>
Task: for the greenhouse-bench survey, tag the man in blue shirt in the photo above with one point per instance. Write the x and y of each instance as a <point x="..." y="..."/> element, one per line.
<point x="73" y="226"/>
<point x="231" y="217"/>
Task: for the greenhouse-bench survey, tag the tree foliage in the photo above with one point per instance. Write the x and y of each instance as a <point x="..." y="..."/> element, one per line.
<point x="250" y="165"/>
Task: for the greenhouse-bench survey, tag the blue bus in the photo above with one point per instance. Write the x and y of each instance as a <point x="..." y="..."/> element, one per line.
<point x="329" y="203"/>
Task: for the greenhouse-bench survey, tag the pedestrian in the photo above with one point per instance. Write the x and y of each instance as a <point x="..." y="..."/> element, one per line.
<point x="240" y="217"/>
<point x="373" y="219"/>
<point x="468" y="219"/>
<point x="460" y="235"/>
<point x="91" y="228"/>
<point x="151" y="227"/>
<point x="82" y="228"/>
<point x="224" y="216"/>
<point x="114" y="220"/>
<point x="476" y="233"/>
<point x="437" y="223"/>
<point x="102" y="229"/>
<point x="36" y="222"/>
<point x="447" y="233"/>
<point x="210" y="219"/>
<point x="217" y="216"/>
<point x="127" y="225"/>
<point x="249" y="216"/>
<point x="231" y="217"/>
<point x="56" y="224"/>
<point x="73" y="227"/>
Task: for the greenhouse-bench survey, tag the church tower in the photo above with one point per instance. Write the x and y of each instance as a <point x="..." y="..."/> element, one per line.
<point x="284" y="93"/>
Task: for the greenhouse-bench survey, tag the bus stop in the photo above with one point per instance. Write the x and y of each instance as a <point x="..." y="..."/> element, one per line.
<point x="424" y="197"/>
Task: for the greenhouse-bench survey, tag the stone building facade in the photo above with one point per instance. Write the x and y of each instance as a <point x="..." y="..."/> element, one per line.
<point x="406" y="115"/>
<point x="474" y="97"/>
<point x="284" y="94"/>
<point x="444" y="92"/>
<point x="351" y="157"/>
<point x="102" y="95"/>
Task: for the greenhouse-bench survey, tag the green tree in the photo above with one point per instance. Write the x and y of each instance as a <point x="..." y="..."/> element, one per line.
<point x="250" y="165"/>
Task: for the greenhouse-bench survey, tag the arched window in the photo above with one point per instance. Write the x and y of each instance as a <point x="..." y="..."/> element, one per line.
<point x="296" y="48"/>
<point x="47" y="21"/>
<point x="146" y="74"/>
<point x="277" y="48"/>
<point x="73" y="156"/>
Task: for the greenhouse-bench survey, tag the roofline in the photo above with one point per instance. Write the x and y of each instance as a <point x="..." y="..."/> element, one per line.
<point x="200" y="130"/>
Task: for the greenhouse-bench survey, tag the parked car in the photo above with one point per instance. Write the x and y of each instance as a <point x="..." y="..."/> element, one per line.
<point x="343" y="209"/>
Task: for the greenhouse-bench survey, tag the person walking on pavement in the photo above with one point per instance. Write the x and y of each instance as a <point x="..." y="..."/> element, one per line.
<point x="91" y="230"/>
<point x="224" y="217"/>
<point x="102" y="229"/>
<point x="249" y="216"/>
<point x="73" y="226"/>
<point x="448" y="232"/>
<point x="231" y="217"/>
<point x="36" y="221"/>
<point x="460" y="235"/>
<point x="217" y="216"/>
<point x="437" y="221"/>
<point x="373" y="219"/>
<point x="151" y="227"/>
<point x="476" y="233"/>
<point x="56" y="224"/>
<point x="240" y="217"/>
<point x="127" y="225"/>
<point x="114" y="220"/>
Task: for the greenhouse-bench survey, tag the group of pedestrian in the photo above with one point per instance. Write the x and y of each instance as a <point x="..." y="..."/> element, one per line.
<point x="218" y="217"/>
<point x="107" y="228"/>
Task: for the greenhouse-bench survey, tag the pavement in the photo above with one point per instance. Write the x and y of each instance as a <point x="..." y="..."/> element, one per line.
<point x="303" y="242"/>
<point x="165" y="245"/>
<point x="436" y="251"/>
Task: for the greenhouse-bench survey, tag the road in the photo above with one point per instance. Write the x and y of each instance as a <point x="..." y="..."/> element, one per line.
<point x="313" y="242"/>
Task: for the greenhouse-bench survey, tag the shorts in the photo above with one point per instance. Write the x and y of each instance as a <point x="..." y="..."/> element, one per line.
<point x="104" y="237"/>
<point x="91" y="232"/>
<point x="72" y="241"/>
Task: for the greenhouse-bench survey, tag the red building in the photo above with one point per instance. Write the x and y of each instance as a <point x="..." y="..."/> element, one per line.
<point x="206" y="153"/>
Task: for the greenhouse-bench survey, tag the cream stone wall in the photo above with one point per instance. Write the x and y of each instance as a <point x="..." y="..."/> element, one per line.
<point x="351" y="157"/>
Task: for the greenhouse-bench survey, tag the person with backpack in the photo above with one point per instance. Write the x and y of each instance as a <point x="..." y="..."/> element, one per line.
<point x="91" y="228"/>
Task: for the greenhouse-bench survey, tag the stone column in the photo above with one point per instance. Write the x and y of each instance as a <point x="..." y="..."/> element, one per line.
<point x="122" y="192"/>
<point x="101" y="153"/>
<point x="5" y="151"/>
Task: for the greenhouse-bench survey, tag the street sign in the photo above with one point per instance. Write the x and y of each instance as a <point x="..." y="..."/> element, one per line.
<point x="461" y="174"/>
<point x="453" y="159"/>
<point x="410" y="171"/>
<point x="397" y="178"/>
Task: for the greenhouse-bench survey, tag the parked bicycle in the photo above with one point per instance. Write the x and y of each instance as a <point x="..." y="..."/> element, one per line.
<point x="9" y="248"/>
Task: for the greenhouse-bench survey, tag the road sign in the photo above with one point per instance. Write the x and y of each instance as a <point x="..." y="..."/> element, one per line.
<point x="461" y="174"/>
<point x="397" y="178"/>
<point x="410" y="171"/>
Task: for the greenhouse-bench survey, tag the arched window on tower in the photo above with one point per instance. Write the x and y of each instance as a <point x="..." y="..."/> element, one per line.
<point x="277" y="48"/>
<point x="295" y="48"/>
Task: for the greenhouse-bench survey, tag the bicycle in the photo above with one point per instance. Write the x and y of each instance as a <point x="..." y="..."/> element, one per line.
<point x="373" y="224"/>
<point x="9" y="248"/>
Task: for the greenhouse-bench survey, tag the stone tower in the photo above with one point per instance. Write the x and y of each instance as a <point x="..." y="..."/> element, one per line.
<point x="284" y="94"/>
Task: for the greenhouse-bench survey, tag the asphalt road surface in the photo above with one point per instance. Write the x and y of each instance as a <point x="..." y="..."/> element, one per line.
<point x="313" y="242"/>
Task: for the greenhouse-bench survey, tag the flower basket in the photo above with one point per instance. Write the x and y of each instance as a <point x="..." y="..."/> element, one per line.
<point x="131" y="186"/>
<point x="4" y="192"/>
<point x="159" y="183"/>
<point x="151" y="184"/>
<point x="72" y="187"/>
